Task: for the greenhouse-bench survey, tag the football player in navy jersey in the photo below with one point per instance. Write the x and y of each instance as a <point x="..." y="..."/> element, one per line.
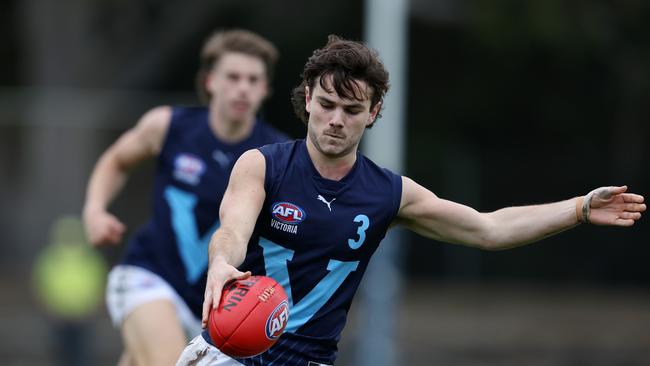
<point x="310" y="213"/>
<point x="155" y="294"/>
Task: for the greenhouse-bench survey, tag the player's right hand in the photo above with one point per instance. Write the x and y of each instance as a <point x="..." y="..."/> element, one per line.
<point x="103" y="228"/>
<point x="219" y="273"/>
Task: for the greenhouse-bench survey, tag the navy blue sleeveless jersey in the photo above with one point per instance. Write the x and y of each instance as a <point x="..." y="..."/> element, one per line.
<point x="191" y="177"/>
<point x="315" y="236"/>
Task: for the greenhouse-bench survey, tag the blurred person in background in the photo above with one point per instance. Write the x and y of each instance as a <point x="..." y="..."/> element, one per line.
<point x="311" y="213"/>
<point x="69" y="280"/>
<point x="155" y="293"/>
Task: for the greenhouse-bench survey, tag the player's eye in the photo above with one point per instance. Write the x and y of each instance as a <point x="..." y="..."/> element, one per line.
<point x="327" y="106"/>
<point x="353" y="112"/>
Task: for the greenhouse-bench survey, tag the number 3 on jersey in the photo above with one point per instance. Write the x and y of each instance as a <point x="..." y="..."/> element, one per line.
<point x="275" y="262"/>
<point x="361" y="231"/>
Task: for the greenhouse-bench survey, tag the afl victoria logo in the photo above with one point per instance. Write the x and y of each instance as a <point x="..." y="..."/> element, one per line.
<point x="277" y="321"/>
<point x="287" y="212"/>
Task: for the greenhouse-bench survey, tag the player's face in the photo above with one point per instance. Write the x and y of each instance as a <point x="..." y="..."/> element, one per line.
<point x="238" y="86"/>
<point x="336" y="124"/>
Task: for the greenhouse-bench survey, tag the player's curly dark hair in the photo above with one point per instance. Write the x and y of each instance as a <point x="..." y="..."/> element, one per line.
<point x="344" y="61"/>
<point x="235" y="40"/>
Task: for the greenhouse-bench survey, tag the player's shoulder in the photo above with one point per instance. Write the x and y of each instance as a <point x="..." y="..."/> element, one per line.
<point x="150" y="129"/>
<point x="252" y="156"/>
<point x="250" y="164"/>
<point x="155" y="121"/>
<point x="156" y="116"/>
<point x="412" y="194"/>
<point x="278" y="157"/>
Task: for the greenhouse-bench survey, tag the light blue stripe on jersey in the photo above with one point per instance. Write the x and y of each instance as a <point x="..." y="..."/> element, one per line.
<point x="275" y="260"/>
<point x="192" y="249"/>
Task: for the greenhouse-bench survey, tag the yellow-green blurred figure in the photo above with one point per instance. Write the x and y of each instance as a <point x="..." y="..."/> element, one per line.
<point x="69" y="278"/>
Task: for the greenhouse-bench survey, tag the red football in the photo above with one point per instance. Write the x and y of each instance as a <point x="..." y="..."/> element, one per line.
<point x="251" y="316"/>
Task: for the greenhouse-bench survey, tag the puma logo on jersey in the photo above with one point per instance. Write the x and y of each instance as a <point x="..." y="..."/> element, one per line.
<point x="224" y="159"/>
<point x="322" y="199"/>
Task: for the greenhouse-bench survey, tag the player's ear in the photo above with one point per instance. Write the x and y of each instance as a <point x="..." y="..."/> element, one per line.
<point x="373" y="113"/>
<point x="307" y="99"/>
<point x="266" y="89"/>
<point x="208" y="83"/>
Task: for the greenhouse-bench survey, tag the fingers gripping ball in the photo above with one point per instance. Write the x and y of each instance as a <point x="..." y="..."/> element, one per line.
<point x="251" y="316"/>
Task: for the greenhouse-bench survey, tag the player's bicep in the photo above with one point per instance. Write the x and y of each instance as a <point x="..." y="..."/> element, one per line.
<point x="436" y="218"/>
<point x="244" y="196"/>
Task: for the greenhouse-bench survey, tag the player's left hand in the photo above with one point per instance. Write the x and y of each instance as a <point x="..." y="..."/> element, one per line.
<point x="613" y="206"/>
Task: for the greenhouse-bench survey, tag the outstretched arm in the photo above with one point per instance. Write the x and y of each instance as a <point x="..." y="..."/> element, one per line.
<point x="436" y="218"/>
<point x="240" y="207"/>
<point x="111" y="171"/>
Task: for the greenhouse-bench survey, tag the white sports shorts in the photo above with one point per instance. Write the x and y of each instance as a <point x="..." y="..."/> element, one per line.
<point x="201" y="353"/>
<point x="131" y="286"/>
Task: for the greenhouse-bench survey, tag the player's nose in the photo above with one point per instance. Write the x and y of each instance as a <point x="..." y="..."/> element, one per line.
<point x="244" y="85"/>
<point x="336" y="118"/>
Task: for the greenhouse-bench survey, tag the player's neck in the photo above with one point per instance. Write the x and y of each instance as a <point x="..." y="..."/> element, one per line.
<point x="334" y="168"/>
<point x="228" y="130"/>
